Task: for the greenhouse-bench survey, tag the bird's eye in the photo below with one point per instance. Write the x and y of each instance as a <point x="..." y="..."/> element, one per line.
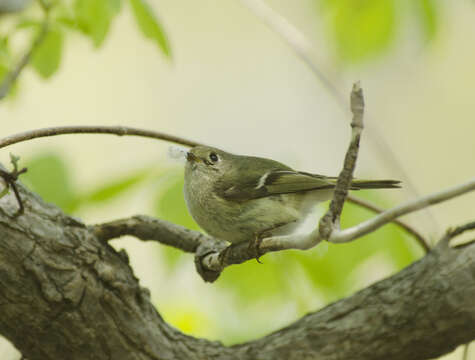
<point x="213" y="157"/>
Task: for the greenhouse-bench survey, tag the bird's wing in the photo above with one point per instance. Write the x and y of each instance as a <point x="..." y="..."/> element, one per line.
<point x="272" y="182"/>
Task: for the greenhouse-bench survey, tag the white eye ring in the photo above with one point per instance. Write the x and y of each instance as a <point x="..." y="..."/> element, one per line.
<point x="213" y="157"/>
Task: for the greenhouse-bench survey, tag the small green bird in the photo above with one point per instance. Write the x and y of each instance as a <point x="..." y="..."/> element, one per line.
<point x="245" y="198"/>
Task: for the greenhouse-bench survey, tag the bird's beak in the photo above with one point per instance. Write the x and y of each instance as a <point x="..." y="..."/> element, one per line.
<point x="191" y="157"/>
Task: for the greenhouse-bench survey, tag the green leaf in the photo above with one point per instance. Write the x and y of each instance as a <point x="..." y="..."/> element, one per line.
<point x="361" y="29"/>
<point x="49" y="176"/>
<point x="115" y="187"/>
<point x="47" y="57"/>
<point x="149" y="25"/>
<point x="94" y="17"/>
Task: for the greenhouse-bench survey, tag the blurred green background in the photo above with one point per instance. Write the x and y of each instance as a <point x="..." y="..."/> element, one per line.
<point x="213" y="72"/>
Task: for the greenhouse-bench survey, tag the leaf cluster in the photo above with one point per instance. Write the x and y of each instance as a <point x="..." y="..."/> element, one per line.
<point x="92" y="19"/>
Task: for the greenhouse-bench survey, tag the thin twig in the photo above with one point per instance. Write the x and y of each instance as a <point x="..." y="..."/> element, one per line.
<point x="114" y="130"/>
<point x="451" y="233"/>
<point x="12" y="76"/>
<point x="331" y="220"/>
<point x="406" y="227"/>
<point x="403" y="209"/>
<point x="10" y="177"/>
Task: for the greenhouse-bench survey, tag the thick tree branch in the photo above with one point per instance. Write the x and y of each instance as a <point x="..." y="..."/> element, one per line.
<point x="150" y="229"/>
<point x="66" y="294"/>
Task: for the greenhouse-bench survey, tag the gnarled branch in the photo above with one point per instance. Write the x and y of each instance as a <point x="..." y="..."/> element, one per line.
<point x="64" y="293"/>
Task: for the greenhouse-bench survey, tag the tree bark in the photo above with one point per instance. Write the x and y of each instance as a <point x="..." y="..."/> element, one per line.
<point x="66" y="294"/>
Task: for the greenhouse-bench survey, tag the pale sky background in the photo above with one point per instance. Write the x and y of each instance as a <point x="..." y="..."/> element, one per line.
<point x="234" y="84"/>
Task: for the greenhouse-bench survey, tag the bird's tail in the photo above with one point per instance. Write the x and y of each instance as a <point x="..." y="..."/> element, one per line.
<point x="357" y="184"/>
